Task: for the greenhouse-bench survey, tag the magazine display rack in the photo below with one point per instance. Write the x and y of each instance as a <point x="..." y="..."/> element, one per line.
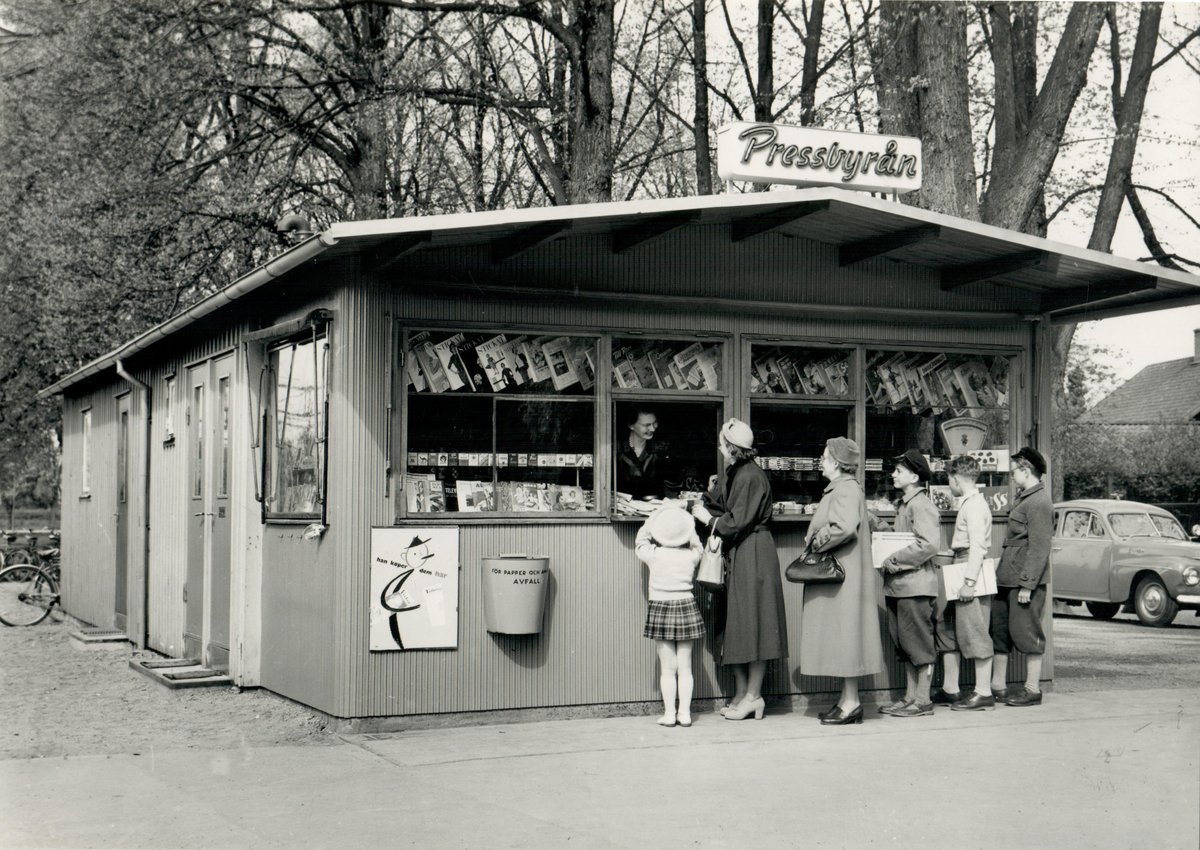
<point x="676" y="365"/>
<point x="499" y="423"/>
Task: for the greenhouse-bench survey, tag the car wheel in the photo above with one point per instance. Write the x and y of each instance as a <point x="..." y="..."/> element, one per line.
<point x="1154" y="606"/>
<point x="1103" y="610"/>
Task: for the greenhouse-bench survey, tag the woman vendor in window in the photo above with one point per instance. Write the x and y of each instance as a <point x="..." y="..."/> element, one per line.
<point x="641" y="462"/>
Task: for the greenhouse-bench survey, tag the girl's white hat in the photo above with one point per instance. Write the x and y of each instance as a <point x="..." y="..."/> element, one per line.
<point x="738" y="433"/>
<point x="671" y="526"/>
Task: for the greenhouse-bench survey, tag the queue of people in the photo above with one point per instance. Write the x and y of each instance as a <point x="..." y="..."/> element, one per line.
<point x="840" y="634"/>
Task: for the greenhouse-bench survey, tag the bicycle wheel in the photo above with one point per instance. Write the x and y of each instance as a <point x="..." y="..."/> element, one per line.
<point x="26" y="595"/>
<point x="16" y="557"/>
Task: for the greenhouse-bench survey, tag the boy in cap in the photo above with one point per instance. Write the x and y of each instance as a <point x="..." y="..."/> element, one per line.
<point x="1021" y="581"/>
<point x="910" y="585"/>
<point x="962" y="629"/>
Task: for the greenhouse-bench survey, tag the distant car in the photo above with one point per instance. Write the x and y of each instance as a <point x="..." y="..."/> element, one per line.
<point x="1107" y="554"/>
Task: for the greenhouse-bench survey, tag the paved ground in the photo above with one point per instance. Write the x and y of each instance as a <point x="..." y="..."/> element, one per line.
<point x="1082" y="770"/>
<point x="94" y="755"/>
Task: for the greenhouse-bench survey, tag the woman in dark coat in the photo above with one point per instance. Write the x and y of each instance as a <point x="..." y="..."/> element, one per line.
<point x="755" y="621"/>
<point x="839" y="624"/>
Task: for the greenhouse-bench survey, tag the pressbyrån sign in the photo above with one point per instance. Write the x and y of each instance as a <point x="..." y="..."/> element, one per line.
<point x="806" y="156"/>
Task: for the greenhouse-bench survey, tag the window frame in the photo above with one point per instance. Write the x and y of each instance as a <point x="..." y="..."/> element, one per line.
<point x="317" y="334"/>
<point x="86" y="449"/>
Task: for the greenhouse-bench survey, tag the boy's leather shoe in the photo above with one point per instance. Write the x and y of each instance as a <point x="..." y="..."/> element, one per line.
<point x="916" y="709"/>
<point x="975" y="702"/>
<point x="1001" y="694"/>
<point x="940" y="697"/>
<point x="1024" y="696"/>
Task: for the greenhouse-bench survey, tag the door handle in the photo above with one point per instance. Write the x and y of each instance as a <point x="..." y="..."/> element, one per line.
<point x="203" y="513"/>
<point x="1056" y="549"/>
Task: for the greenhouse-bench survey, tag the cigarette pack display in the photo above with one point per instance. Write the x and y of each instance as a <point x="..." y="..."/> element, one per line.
<point x="452" y="458"/>
<point x="562" y="373"/>
<point x="445" y="354"/>
<point x="491" y="358"/>
<point x="422" y="458"/>
<point x="585" y="460"/>
<point x="443" y="458"/>
<point x="412" y="458"/>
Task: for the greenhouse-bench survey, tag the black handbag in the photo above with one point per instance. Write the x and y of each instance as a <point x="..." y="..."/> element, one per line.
<point x="815" y="568"/>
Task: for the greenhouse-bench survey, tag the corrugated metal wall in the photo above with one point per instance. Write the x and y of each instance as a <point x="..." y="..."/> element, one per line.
<point x="591" y="650"/>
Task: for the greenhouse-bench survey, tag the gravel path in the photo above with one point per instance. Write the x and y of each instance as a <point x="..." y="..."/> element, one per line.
<point x="59" y="701"/>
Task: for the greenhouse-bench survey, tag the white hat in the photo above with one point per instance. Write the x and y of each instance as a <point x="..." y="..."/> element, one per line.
<point x="738" y="433"/>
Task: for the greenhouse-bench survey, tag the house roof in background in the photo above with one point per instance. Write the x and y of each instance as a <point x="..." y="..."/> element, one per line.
<point x="1070" y="283"/>
<point x="1161" y="393"/>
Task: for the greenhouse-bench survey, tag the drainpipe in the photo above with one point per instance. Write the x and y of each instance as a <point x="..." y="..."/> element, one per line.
<point x="144" y="638"/>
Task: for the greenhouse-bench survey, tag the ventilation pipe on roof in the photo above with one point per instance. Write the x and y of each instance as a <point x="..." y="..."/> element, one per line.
<point x="143" y="634"/>
<point x="293" y="223"/>
<point x="1196" y="355"/>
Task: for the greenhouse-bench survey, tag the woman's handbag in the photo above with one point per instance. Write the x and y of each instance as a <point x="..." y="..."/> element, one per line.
<point x="711" y="572"/>
<point x="815" y="568"/>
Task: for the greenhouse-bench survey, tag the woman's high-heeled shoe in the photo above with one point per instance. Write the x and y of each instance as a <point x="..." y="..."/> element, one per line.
<point x="732" y="706"/>
<point x="837" y="717"/>
<point x="755" y="707"/>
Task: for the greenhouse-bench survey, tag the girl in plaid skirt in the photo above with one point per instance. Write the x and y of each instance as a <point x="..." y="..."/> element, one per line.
<point x="667" y="543"/>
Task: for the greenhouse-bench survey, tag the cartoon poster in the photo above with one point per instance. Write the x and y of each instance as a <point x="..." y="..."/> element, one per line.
<point x="414" y="588"/>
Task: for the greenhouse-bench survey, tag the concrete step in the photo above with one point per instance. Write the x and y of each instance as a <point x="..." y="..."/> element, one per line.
<point x="90" y="637"/>
<point x="176" y="673"/>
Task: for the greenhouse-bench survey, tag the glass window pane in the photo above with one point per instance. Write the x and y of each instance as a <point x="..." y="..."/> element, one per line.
<point x="86" y="471"/>
<point x="663" y="449"/>
<point x="677" y="365"/>
<point x="791" y="370"/>
<point x="791" y="439"/>
<point x="471" y="362"/>
<point x="296" y="455"/>
<point x="499" y="422"/>
<point x="198" y="441"/>
<point x="223" y="396"/>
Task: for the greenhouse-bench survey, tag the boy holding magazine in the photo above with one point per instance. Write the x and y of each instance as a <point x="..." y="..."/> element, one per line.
<point x="963" y="627"/>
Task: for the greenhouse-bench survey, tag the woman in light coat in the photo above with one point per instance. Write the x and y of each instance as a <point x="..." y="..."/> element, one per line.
<point x="839" y="624"/>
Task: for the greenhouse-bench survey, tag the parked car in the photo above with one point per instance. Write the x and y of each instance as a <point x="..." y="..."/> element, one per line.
<point x="1110" y="554"/>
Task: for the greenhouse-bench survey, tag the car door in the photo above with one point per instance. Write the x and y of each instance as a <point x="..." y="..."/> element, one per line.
<point x="1082" y="554"/>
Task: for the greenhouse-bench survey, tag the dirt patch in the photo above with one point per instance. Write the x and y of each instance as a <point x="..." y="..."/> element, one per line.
<point x="57" y="700"/>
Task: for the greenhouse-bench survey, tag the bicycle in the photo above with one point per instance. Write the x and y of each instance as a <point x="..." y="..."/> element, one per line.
<point x="29" y="589"/>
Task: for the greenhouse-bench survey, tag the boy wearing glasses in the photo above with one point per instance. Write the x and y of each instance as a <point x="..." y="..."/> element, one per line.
<point x="1021" y="581"/>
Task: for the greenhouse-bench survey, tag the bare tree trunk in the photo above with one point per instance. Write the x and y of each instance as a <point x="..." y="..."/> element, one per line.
<point x="1127" y="109"/>
<point x="1011" y="196"/>
<point x="894" y="56"/>
<point x="764" y="95"/>
<point x="591" y="145"/>
<point x="948" y="171"/>
<point x="704" y="184"/>
<point x="813" y="26"/>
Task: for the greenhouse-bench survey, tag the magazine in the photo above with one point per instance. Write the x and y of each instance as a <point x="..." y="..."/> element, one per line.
<point x="660" y="362"/>
<point x="562" y="373"/>
<point x="579" y="356"/>
<point x="976" y="383"/>
<point x="445" y="353"/>
<point x="431" y="365"/>
<point x="623" y="372"/>
<point x="468" y="358"/>
<point x="491" y="357"/>
<point x="639" y="357"/>
<point x="516" y="365"/>
<point x="539" y="369"/>
<point x="475" y="496"/>
<point x="412" y="372"/>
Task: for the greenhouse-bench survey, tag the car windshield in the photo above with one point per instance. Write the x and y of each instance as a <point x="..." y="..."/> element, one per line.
<point x="1144" y="525"/>
<point x="1168" y="527"/>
